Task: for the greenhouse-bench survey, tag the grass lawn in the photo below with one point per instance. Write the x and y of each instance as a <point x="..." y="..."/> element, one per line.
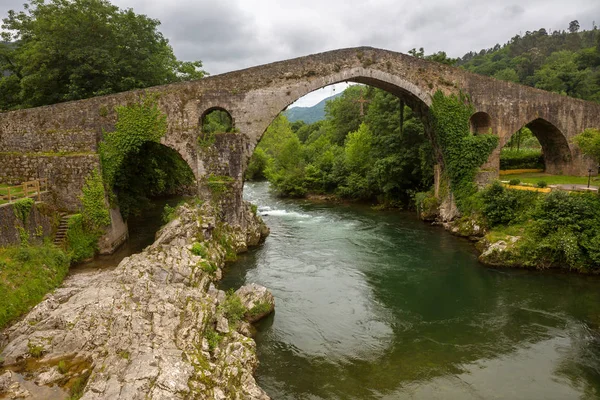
<point x="27" y="273"/>
<point x="535" y="177"/>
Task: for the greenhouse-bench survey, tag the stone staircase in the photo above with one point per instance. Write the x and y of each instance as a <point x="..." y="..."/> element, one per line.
<point x="61" y="232"/>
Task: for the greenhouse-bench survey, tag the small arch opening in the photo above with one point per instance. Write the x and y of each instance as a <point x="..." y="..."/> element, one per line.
<point x="481" y="123"/>
<point x="216" y="120"/>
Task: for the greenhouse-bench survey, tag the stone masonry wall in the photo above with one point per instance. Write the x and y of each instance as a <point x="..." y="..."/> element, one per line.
<point x="66" y="174"/>
<point x="41" y="223"/>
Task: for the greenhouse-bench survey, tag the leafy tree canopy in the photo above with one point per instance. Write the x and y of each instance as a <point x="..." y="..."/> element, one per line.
<point x="565" y="62"/>
<point x="61" y="50"/>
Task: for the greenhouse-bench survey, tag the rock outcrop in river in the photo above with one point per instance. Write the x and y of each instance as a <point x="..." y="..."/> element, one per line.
<point x="153" y="328"/>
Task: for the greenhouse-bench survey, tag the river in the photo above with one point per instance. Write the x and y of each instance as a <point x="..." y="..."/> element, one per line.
<point x="379" y="305"/>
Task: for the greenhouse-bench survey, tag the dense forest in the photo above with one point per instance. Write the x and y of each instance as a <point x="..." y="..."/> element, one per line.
<point x="379" y="154"/>
<point x="566" y="62"/>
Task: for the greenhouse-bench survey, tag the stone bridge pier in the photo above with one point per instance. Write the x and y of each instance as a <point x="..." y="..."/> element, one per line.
<point x="60" y="142"/>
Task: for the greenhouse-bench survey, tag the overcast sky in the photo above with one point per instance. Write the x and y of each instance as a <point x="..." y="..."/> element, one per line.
<point x="233" y="34"/>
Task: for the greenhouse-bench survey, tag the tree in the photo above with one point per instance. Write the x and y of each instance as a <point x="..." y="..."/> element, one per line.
<point x="589" y="143"/>
<point x="574" y="26"/>
<point x="62" y="50"/>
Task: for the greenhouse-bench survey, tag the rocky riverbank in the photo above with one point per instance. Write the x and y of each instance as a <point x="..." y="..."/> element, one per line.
<point x="154" y="328"/>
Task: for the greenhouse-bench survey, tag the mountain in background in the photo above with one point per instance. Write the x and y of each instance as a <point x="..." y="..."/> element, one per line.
<point x="309" y="115"/>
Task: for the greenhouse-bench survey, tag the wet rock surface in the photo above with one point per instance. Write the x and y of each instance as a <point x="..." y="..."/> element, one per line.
<point x="148" y="329"/>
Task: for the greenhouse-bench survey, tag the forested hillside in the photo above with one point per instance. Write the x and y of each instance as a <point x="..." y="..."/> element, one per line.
<point x="566" y="62"/>
<point x="309" y="115"/>
<point x="380" y="154"/>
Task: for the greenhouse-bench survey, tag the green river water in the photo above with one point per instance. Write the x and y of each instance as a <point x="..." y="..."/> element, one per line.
<point x="379" y="305"/>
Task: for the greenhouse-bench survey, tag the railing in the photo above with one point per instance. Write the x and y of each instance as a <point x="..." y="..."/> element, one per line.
<point x="10" y="194"/>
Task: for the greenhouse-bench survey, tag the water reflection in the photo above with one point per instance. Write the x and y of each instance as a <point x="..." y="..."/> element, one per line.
<point x="378" y="305"/>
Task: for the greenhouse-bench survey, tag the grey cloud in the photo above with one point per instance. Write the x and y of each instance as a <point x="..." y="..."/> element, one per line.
<point x="233" y="34"/>
<point x="513" y="10"/>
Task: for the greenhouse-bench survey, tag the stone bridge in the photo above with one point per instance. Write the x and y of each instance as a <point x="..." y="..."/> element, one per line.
<point x="60" y="141"/>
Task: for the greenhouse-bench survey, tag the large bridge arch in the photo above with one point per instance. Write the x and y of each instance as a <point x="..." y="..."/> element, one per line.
<point x="409" y="92"/>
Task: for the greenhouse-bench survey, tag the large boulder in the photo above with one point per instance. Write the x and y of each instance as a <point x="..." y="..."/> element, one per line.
<point x="257" y="300"/>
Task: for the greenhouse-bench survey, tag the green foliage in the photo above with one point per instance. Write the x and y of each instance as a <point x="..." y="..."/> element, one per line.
<point x="344" y="112"/>
<point x="541" y="184"/>
<point x="503" y="206"/>
<point x="208" y="267"/>
<point x="82" y="243"/>
<point x="22" y="208"/>
<point x="259" y="309"/>
<point x="385" y="158"/>
<point x="78" y="386"/>
<point x="463" y="152"/>
<point x="213" y="338"/>
<point x="521" y="159"/>
<point x="514" y="182"/>
<point x="233" y="309"/>
<point x="157" y="170"/>
<point x="198" y="249"/>
<point x="566" y="62"/>
<point x="68" y="50"/>
<point x="168" y="214"/>
<point x="137" y="124"/>
<point x="134" y="163"/>
<point x="589" y="143"/>
<point x="427" y="204"/>
<point x="35" y="350"/>
<point x="559" y="229"/>
<point x="27" y="273"/>
<point x="93" y="203"/>
<point x="219" y="184"/>
<point x="62" y="367"/>
<point x="257" y="166"/>
<point x="217" y="121"/>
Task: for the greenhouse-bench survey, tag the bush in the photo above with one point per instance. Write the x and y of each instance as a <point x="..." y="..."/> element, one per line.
<point x="514" y="182"/>
<point x="233" y="309"/>
<point x="542" y="184"/>
<point x="565" y="232"/>
<point x="199" y="250"/>
<point x="521" y="159"/>
<point x="504" y="206"/>
<point x="81" y="243"/>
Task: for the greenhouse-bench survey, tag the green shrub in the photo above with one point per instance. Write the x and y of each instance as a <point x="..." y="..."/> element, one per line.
<point x="427" y="204"/>
<point x="208" y="267"/>
<point x="565" y="232"/>
<point x="168" y="214"/>
<point x="22" y="208"/>
<point x="503" y="206"/>
<point x="213" y="338"/>
<point x="542" y="184"/>
<point x="514" y="182"/>
<point x="198" y="249"/>
<point x="259" y="309"/>
<point x="233" y="309"/>
<point x="81" y="243"/>
<point x="521" y="159"/>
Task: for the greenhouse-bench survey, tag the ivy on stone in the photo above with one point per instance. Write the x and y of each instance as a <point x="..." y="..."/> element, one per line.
<point x="463" y="153"/>
<point x="93" y="201"/>
<point x="22" y="208"/>
<point x="137" y="124"/>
